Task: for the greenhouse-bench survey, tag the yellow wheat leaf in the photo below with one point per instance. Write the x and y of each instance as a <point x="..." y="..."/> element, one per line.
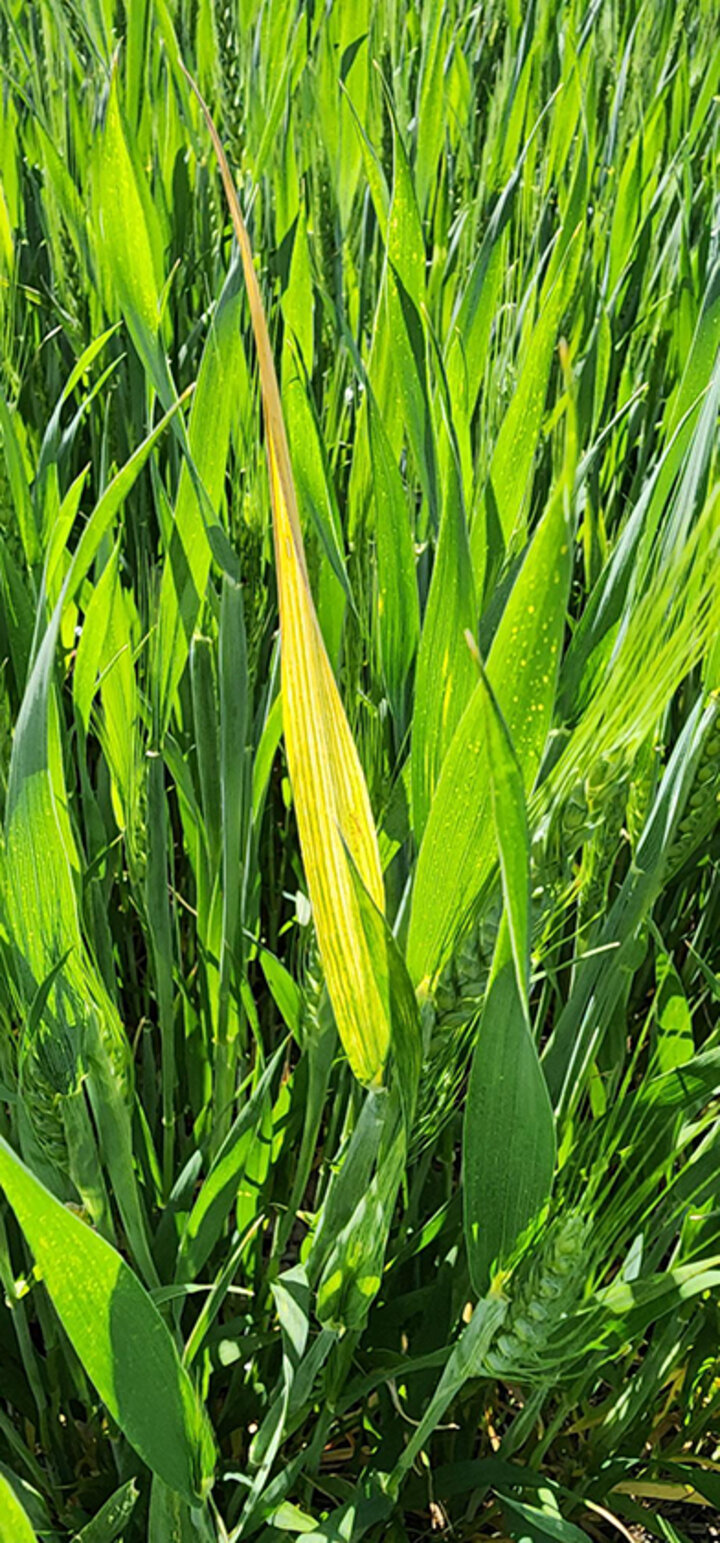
<point x="331" y="798"/>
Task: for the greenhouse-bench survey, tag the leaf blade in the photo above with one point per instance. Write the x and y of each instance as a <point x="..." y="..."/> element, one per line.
<point x="331" y="798"/>
<point x="117" y="1333"/>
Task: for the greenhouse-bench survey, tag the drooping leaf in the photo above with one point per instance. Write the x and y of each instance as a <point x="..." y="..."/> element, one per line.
<point x="117" y="1333"/>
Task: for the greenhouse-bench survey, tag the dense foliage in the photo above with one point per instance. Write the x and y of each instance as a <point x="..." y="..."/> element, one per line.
<point x="359" y="976"/>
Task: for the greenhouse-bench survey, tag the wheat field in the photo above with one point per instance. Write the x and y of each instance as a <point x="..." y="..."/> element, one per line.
<point x="359" y="770"/>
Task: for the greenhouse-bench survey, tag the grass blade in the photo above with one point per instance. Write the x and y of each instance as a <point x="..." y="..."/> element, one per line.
<point x="118" y="1334"/>
<point x="331" y="798"/>
<point x="14" y="1522"/>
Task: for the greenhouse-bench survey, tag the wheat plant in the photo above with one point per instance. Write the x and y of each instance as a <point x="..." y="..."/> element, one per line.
<point x="359" y="674"/>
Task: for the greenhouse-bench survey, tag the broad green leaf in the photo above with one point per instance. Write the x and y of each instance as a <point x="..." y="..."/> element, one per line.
<point x="668" y="1289"/>
<point x="331" y="799"/>
<point x="135" y="59"/>
<point x="655" y="1525"/>
<point x="321" y="1048"/>
<point x="528" y="1524"/>
<point x="683" y="425"/>
<point x="398" y="999"/>
<point x="675" y="1044"/>
<point x="352" y="1275"/>
<point x="520" y="429"/>
<point x="702" y="1480"/>
<point x="508" y="1130"/>
<point x="289" y="1518"/>
<point x="445" y="673"/>
<point x="117" y="1334"/>
<point x="349" y="1522"/>
<point x="129" y="242"/>
<point x="352" y="26"/>
<point x="467" y="342"/>
<point x="265" y="755"/>
<point x="511" y="830"/>
<point x="290" y="55"/>
<point x="650" y="644"/>
<point x="471" y="321"/>
<point x="113" y="1517"/>
<point x="457" y="853"/>
<point x="398" y="608"/>
<point x="106" y="650"/>
<point x="17" y="617"/>
<point x="626" y="211"/>
<point x="430" y="99"/>
<point x="40" y="841"/>
<point x="298" y="300"/>
<point x="313" y="477"/>
<point x="18" y="479"/>
<point x="81" y="1030"/>
<point x="398" y="604"/>
<point x="381" y="375"/>
<point x="14" y="1523"/>
<point x="350" y="1179"/>
<point x="507" y="143"/>
<point x="58" y="536"/>
<point x="283" y="990"/>
<point x="374" y="172"/>
<point x="172" y="1520"/>
<point x="6" y="237"/>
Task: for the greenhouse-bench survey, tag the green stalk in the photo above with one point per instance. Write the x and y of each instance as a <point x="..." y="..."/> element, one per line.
<point x="231" y="1047"/>
<point x="158" y="915"/>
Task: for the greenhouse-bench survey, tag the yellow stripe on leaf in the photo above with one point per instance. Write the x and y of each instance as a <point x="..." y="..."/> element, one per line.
<point x="331" y="798"/>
